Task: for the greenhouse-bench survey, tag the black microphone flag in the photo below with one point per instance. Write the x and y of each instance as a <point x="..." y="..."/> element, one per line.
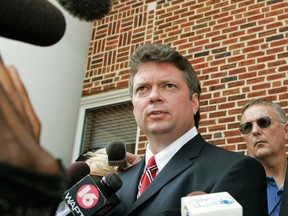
<point x="92" y="197"/>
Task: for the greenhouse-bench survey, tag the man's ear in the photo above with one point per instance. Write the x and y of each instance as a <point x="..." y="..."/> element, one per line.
<point x="286" y="131"/>
<point x="195" y="101"/>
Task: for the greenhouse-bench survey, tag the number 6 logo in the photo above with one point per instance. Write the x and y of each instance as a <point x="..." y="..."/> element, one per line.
<point x="87" y="196"/>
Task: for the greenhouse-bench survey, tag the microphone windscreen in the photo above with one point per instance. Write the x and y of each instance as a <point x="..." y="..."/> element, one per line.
<point x="116" y="152"/>
<point x="111" y="183"/>
<point x="76" y="171"/>
<point x="87" y="10"/>
<point x="114" y="181"/>
<point x="36" y="22"/>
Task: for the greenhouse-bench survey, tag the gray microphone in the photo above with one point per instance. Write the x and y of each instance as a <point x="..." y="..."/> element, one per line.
<point x="116" y="151"/>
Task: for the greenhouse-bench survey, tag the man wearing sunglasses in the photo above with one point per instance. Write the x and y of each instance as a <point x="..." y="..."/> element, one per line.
<point x="265" y="130"/>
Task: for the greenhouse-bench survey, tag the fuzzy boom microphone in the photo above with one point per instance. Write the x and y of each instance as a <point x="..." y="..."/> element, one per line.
<point x="87" y="10"/>
<point x="36" y="22"/>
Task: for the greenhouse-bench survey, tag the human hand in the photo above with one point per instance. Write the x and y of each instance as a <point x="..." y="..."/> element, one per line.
<point x="196" y="193"/>
<point x="131" y="159"/>
<point x="20" y="127"/>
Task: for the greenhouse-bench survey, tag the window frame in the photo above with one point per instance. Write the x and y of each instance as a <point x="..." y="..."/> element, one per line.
<point x="94" y="101"/>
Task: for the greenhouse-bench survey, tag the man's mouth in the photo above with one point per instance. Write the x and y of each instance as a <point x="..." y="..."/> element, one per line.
<point x="258" y="142"/>
<point x="155" y="112"/>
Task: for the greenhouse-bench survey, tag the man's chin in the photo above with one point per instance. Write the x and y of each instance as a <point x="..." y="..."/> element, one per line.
<point x="261" y="153"/>
<point x="159" y="131"/>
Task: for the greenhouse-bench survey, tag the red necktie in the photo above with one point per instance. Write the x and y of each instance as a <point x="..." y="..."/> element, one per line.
<point x="148" y="175"/>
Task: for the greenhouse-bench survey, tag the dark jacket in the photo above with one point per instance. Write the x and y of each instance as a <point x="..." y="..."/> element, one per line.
<point x="197" y="166"/>
<point x="284" y="200"/>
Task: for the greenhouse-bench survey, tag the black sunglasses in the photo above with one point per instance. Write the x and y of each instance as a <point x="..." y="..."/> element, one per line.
<point x="262" y="122"/>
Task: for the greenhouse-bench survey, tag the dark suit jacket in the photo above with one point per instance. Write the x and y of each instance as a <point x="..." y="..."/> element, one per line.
<point x="284" y="200"/>
<point x="197" y="166"/>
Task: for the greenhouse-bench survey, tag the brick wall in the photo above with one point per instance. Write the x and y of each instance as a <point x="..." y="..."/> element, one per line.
<point x="239" y="49"/>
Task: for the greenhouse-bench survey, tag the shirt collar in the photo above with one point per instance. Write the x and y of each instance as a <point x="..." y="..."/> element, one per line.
<point x="272" y="183"/>
<point x="166" y="154"/>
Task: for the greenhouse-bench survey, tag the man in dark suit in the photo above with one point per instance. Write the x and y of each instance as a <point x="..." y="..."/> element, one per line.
<point x="284" y="200"/>
<point x="165" y="94"/>
<point x="265" y="130"/>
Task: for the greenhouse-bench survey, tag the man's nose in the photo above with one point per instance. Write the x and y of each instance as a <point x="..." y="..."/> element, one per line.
<point x="155" y="95"/>
<point x="255" y="128"/>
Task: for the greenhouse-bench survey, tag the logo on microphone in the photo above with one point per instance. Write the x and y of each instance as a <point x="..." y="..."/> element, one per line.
<point x="87" y="196"/>
<point x="217" y="200"/>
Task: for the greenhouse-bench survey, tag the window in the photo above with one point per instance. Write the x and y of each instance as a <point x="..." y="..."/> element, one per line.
<point x="103" y="118"/>
<point x="109" y="123"/>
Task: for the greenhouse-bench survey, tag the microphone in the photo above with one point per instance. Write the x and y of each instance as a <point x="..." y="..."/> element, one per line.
<point x="87" y="10"/>
<point x="199" y="203"/>
<point x="36" y="22"/>
<point x="92" y="197"/>
<point x="116" y="151"/>
<point x="76" y="171"/>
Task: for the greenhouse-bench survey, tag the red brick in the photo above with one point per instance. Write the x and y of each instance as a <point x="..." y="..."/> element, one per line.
<point x="258" y="62"/>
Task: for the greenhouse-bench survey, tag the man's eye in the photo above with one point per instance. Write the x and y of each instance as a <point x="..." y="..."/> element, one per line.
<point x="169" y="85"/>
<point x="142" y="88"/>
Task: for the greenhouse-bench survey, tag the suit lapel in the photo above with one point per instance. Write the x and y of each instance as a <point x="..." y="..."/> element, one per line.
<point x="132" y="177"/>
<point x="181" y="161"/>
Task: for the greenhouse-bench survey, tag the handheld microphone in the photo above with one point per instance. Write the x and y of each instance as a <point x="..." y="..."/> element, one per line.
<point x="76" y="171"/>
<point x="116" y="152"/>
<point x="87" y="10"/>
<point x="92" y="197"/>
<point x="214" y="204"/>
<point x="36" y="22"/>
